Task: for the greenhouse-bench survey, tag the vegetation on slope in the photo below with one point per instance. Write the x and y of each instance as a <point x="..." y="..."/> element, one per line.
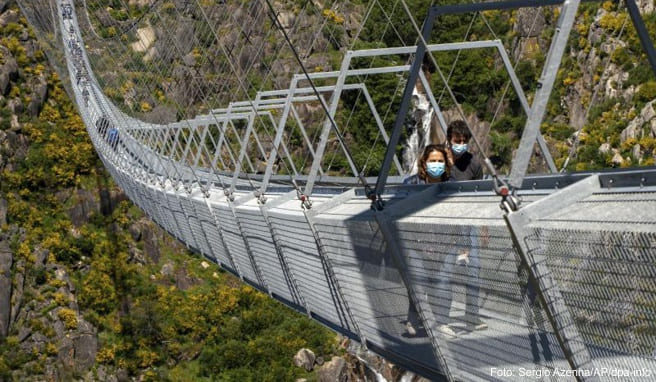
<point x="95" y="285"/>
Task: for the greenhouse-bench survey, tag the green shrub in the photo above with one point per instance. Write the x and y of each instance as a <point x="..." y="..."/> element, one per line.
<point x="647" y="92"/>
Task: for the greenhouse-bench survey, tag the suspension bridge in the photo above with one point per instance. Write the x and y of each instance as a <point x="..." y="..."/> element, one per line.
<point x="567" y="260"/>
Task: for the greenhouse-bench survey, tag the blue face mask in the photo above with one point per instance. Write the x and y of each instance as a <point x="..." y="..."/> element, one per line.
<point x="435" y="169"/>
<point x="459" y="149"/>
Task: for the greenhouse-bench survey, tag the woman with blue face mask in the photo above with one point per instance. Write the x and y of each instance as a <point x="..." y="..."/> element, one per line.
<point x="432" y="166"/>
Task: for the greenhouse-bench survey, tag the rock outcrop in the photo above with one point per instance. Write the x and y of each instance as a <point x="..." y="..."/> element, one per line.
<point x="305" y="358"/>
<point x="6" y="261"/>
<point x="644" y="123"/>
<point x="335" y="370"/>
<point x="8" y="70"/>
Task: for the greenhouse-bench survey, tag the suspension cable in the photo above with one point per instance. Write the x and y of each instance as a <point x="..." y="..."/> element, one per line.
<point x="333" y="124"/>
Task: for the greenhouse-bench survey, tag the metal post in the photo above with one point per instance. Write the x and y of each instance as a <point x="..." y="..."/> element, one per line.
<point x="278" y="138"/>
<point x="545" y="85"/>
<point x="305" y="136"/>
<point x="381" y="127"/>
<point x="643" y="34"/>
<point x="540" y="277"/>
<point x="327" y="125"/>
<point x="403" y="108"/>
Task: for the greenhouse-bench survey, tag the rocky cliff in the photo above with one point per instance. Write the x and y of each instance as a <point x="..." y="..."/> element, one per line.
<point x="90" y="289"/>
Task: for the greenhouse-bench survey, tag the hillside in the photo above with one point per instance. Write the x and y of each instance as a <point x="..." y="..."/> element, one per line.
<point x="92" y="289"/>
<point x="89" y="287"/>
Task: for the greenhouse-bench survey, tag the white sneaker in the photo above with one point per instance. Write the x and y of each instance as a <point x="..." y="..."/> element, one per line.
<point x="447" y="331"/>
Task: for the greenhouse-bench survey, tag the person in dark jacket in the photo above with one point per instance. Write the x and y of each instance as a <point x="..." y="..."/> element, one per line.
<point x="465" y="165"/>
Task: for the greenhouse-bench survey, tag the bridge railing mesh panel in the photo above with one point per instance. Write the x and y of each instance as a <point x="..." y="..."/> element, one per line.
<point x="181" y="219"/>
<point x="194" y="224"/>
<point x="234" y="241"/>
<point x="485" y="287"/>
<point x="602" y="256"/>
<point x="211" y="230"/>
<point x="371" y="283"/>
<point x="260" y="241"/>
<point x="299" y="247"/>
<point x="440" y="262"/>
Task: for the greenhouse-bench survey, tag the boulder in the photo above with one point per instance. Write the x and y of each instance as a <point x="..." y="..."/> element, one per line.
<point x="105" y="19"/>
<point x="184" y="35"/>
<point x="182" y="279"/>
<point x="8" y="70"/>
<point x="617" y="159"/>
<point x="66" y="353"/>
<point x="646" y="6"/>
<point x="85" y="345"/>
<point x="189" y="59"/>
<point x="632" y="130"/>
<point x="14" y="123"/>
<point x="18" y="290"/>
<point x="334" y="371"/>
<point x="6" y="261"/>
<point x="23" y="333"/>
<point x="15" y="105"/>
<point x="637" y="153"/>
<point x="3" y="211"/>
<point x="286" y="18"/>
<point x="604" y="148"/>
<point x="41" y="257"/>
<point x="86" y="203"/>
<point x="135" y="255"/>
<point x="167" y="269"/>
<point x="647" y="113"/>
<point x="135" y="231"/>
<point x="122" y="375"/>
<point x="530" y="22"/>
<point x="35" y="341"/>
<point x="151" y="244"/>
<point x="304" y="358"/>
<point x="11" y="16"/>
<point x="38" y="93"/>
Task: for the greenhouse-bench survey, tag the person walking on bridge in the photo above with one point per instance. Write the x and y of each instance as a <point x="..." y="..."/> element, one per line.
<point x="465" y="166"/>
<point x="432" y="167"/>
